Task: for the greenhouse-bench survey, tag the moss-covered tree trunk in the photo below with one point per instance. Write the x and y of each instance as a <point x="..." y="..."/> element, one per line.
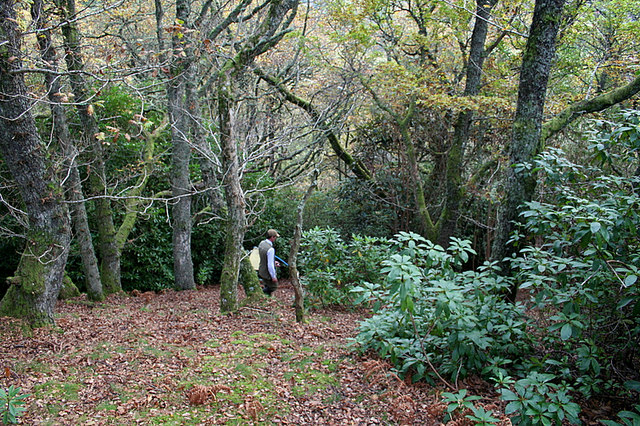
<point x="525" y="139"/>
<point x="133" y="202"/>
<point x="429" y="228"/>
<point x="278" y="16"/>
<point x="107" y="247"/>
<point x="38" y="279"/>
<point x="454" y="190"/>
<point x="73" y="188"/>
<point x="249" y="280"/>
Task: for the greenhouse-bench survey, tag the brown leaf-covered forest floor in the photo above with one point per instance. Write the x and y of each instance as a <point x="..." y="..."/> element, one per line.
<point x="172" y="358"/>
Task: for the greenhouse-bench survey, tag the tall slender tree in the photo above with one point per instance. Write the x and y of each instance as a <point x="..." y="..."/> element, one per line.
<point x="527" y="126"/>
<point x="181" y="71"/>
<point x="74" y="191"/>
<point x="455" y="156"/>
<point x="108" y="250"/>
<point x="273" y="25"/>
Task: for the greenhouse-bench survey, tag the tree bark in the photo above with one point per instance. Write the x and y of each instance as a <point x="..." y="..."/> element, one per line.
<point x="250" y="282"/>
<point x="587" y="106"/>
<point x="271" y="29"/>
<point x="234" y="195"/>
<point x="181" y="151"/>
<point x="293" y="254"/>
<point x="454" y="191"/>
<point x="525" y="139"/>
<point x="74" y="192"/>
<point x="429" y="228"/>
<point x="108" y="251"/>
<point x="38" y="279"/>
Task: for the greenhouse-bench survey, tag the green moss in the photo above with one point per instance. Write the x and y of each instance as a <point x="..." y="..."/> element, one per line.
<point x="61" y="391"/>
<point x="68" y="290"/>
<point x="102" y="351"/>
<point x="106" y="406"/>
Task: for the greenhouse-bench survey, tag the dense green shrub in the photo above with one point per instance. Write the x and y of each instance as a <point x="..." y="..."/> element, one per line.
<point x="12" y="403"/>
<point x="147" y="259"/>
<point x="330" y="267"/>
<point x="207" y="252"/>
<point x="428" y="313"/>
<point x="583" y="273"/>
<point x="537" y="400"/>
<point x="357" y="207"/>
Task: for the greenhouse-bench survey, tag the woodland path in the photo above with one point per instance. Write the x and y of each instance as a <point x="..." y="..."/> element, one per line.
<point x="172" y="358"/>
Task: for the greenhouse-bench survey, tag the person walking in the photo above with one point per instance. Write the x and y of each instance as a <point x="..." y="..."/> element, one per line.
<point x="267" y="268"/>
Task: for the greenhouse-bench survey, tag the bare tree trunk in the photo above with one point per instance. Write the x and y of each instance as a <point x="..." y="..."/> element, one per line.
<point x="453" y="191"/>
<point x="181" y="153"/>
<point x="38" y="279"/>
<point x="108" y="250"/>
<point x="271" y="29"/>
<point x="236" y="220"/>
<point x="293" y="255"/>
<point x="74" y="191"/>
<point x="525" y="140"/>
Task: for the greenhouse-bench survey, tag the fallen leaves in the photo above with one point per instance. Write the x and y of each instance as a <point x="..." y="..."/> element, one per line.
<point x="154" y="358"/>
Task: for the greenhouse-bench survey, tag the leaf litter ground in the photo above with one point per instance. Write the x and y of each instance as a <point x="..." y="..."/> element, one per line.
<point x="172" y="358"/>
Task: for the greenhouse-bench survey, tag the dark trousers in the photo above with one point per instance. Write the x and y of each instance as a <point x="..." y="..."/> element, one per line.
<point x="268" y="286"/>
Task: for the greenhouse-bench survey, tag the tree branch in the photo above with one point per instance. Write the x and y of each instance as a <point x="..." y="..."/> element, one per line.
<point x="599" y="103"/>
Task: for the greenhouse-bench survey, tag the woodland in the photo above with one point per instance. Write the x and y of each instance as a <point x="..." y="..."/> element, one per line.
<point x="456" y="186"/>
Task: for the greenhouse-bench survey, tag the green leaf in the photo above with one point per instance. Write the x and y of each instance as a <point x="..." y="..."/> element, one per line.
<point x="633" y="385"/>
<point x="630" y="280"/>
<point x="595" y="227"/>
<point x="512" y="407"/>
<point x="565" y="332"/>
<point x="508" y="395"/>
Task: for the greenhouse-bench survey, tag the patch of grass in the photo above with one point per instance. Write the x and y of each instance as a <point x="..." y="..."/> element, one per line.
<point x="33" y="366"/>
<point x="106" y="406"/>
<point x="308" y="381"/>
<point x="247" y="371"/>
<point x="212" y="343"/>
<point x="62" y="392"/>
<point x="102" y="351"/>
<point x="331" y="365"/>
<point x="157" y="352"/>
<point x="179" y="418"/>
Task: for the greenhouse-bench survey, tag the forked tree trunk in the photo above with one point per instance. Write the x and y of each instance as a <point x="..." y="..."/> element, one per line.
<point x="278" y="16"/>
<point x="108" y="251"/>
<point x="74" y="192"/>
<point x="525" y="140"/>
<point x="38" y="279"/>
<point x="455" y="157"/>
